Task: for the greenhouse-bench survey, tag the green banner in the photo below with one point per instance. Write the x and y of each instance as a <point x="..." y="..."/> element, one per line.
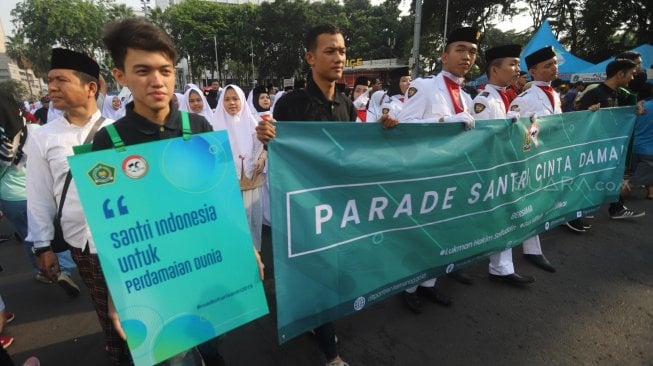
<point x="169" y="225"/>
<point x="360" y="213"/>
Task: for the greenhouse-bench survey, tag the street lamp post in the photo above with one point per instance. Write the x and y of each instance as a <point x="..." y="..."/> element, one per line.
<point x="251" y="45"/>
<point x="215" y="48"/>
<point x="416" y="36"/>
<point x="146" y="7"/>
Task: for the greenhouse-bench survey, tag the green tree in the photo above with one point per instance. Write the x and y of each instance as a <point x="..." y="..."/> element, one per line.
<point x="281" y="25"/>
<point x="74" y="24"/>
<point x="477" y="13"/>
<point x="18" y="51"/>
<point x="192" y="25"/>
<point x="595" y="29"/>
<point x="15" y="88"/>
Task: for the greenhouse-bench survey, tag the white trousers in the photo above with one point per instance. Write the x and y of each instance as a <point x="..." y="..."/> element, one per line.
<point x="532" y="245"/>
<point x="265" y="197"/>
<point x="501" y="263"/>
<point x="254" y="213"/>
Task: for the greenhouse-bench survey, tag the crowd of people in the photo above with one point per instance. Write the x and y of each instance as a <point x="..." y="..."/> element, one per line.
<point x="77" y="110"/>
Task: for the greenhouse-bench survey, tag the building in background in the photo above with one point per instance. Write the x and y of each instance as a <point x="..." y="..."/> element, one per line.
<point x="379" y="69"/>
<point x="10" y="71"/>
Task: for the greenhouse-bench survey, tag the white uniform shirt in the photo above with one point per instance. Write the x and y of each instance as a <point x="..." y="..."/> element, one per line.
<point x="374" y="107"/>
<point x="535" y="100"/>
<point x="47" y="167"/>
<point x="429" y="100"/>
<point x="381" y="103"/>
<point x="488" y="104"/>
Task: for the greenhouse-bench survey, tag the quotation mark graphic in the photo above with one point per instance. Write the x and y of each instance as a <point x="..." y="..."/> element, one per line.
<point x="108" y="212"/>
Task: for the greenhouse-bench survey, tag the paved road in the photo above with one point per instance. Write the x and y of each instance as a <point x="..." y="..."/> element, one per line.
<point x="596" y="310"/>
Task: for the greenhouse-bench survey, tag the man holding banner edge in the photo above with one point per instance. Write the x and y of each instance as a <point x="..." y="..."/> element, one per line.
<point x="437" y="99"/>
<point x="502" y="65"/>
<point x="320" y="101"/>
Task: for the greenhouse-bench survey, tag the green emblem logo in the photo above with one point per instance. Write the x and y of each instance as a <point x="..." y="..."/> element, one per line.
<point x="102" y="174"/>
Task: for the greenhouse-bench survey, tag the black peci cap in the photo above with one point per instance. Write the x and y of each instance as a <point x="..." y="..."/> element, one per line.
<point x="465" y="34"/>
<point x="68" y="59"/>
<point x="398" y="73"/>
<point x="509" y="50"/>
<point x="362" y="80"/>
<point x="543" y="54"/>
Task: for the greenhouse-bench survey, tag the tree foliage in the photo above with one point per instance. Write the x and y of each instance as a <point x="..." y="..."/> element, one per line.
<point x="74" y="24"/>
<point x="15" y="88"/>
<point x="268" y="38"/>
<point x="596" y="29"/>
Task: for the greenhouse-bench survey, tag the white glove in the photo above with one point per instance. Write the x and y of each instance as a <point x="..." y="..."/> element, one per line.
<point x="463" y="117"/>
<point x="514" y="115"/>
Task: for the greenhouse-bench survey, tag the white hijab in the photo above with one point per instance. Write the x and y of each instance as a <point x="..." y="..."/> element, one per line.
<point x="241" y="128"/>
<point x="185" y="106"/>
<point x="180" y="99"/>
<point x="250" y="104"/>
<point x="108" y="111"/>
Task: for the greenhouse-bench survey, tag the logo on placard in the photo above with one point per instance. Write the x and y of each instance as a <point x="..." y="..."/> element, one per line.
<point x="359" y="304"/>
<point x="102" y="174"/>
<point x="135" y="166"/>
<point x="530" y="137"/>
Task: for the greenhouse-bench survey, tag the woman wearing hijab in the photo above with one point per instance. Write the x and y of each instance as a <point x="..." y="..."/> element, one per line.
<point x="260" y="103"/>
<point x="195" y="102"/>
<point x="360" y="96"/>
<point x="392" y="101"/>
<point x="178" y="99"/>
<point x="234" y="115"/>
<point x="113" y="108"/>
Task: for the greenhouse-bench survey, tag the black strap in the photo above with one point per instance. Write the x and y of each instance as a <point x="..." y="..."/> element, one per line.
<point x="21" y="143"/>
<point x="69" y="176"/>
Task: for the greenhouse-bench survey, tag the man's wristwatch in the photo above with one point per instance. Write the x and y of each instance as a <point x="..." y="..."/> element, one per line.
<point x="39" y="251"/>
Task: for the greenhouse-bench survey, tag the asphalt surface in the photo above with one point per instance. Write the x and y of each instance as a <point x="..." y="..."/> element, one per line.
<point x="597" y="309"/>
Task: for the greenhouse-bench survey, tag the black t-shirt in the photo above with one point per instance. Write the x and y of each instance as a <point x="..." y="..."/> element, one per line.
<point x="135" y="129"/>
<point x="310" y="104"/>
<point x="605" y="95"/>
<point x="41" y="115"/>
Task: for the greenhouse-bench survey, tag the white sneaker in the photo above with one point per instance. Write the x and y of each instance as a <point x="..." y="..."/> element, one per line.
<point x="68" y="285"/>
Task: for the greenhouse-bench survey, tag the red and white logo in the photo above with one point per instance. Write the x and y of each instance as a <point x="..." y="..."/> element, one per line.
<point x="135" y="166"/>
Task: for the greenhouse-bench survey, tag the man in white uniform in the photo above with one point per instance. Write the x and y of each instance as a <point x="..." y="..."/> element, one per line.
<point x="502" y="65"/>
<point x="441" y="99"/>
<point x="539" y="100"/>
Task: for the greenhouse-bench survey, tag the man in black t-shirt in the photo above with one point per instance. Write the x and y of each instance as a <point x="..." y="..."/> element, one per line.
<point x="41" y="114"/>
<point x="319" y="101"/>
<point x="609" y="94"/>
